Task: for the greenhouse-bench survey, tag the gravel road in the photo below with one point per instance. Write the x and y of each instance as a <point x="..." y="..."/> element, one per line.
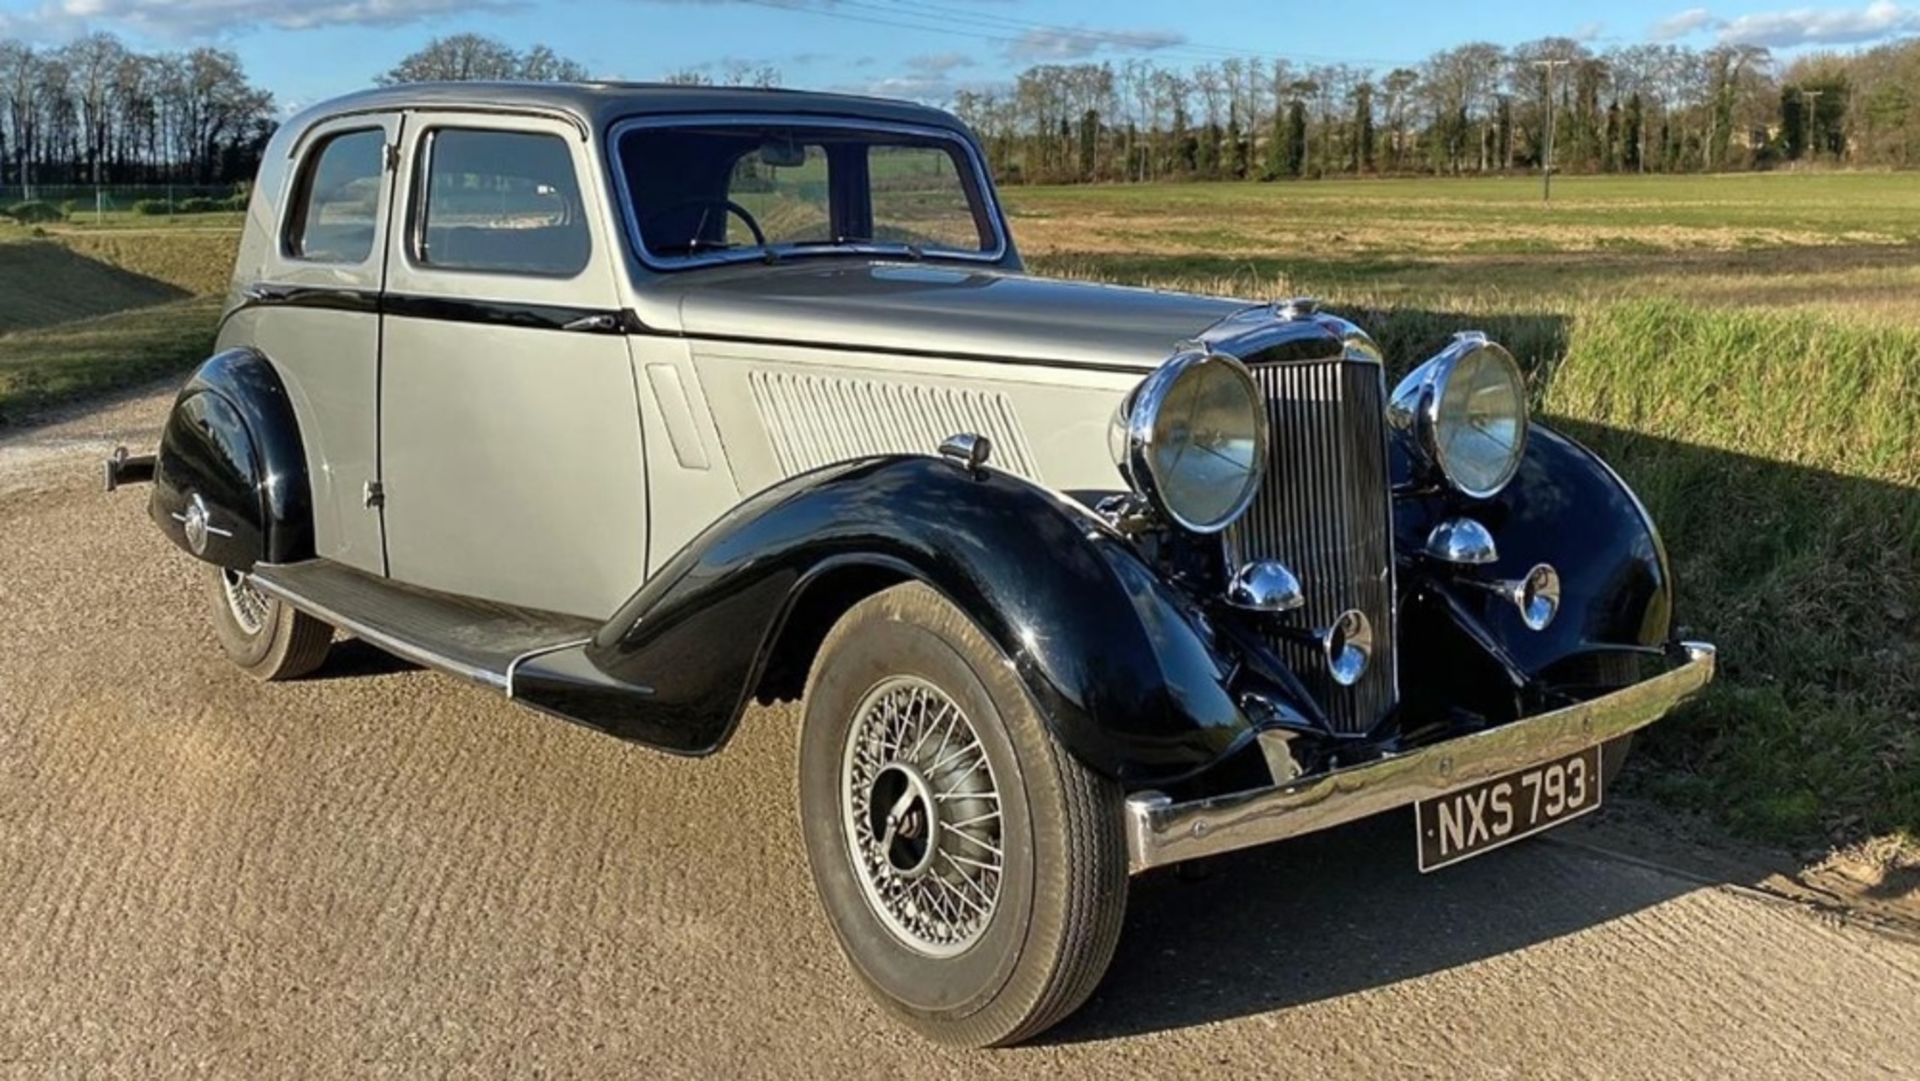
<point x="383" y="871"/>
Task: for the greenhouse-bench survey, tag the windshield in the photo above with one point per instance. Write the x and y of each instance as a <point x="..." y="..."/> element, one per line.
<point x="702" y="192"/>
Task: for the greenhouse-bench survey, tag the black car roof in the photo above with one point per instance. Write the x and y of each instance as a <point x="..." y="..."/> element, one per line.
<point x="593" y="106"/>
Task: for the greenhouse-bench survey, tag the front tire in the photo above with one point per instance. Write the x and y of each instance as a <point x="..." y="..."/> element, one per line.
<point x="973" y="870"/>
<point x="268" y="638"/>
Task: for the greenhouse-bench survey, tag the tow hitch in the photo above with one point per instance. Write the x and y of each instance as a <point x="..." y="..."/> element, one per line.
<point x="123" y="468"/>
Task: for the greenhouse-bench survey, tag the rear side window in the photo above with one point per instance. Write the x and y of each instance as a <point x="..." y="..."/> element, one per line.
<point x="339" y="199"/>
<point x="499" y="201"/>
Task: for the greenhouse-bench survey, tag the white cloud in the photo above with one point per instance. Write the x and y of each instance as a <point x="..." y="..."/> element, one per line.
<point x="939" y="63"/>
<point x="1057" y="44"/>
<point x="1682" y="24"/>
<point x="1590" y="31"/>
<point x="184" y="19"/>
<point x="1807" y="26"/>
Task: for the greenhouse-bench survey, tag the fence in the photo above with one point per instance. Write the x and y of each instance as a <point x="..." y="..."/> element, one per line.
<point x="82" y="202"/>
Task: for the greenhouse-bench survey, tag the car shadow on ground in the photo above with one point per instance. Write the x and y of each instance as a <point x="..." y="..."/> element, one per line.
<point x="351" y="658"/>
<point x="1336" y="913"/>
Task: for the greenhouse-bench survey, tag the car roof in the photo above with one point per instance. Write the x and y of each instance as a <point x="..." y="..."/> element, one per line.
<point x="594" y="105"/>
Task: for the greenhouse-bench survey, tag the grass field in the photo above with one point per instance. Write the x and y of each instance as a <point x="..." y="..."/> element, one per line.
<point x="1746" y="350"/>
<point x="86" y="309"/>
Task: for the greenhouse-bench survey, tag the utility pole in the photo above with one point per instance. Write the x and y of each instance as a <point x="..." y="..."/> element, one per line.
<point x="1546" y="163"/>
<point x="1812" y="99"/>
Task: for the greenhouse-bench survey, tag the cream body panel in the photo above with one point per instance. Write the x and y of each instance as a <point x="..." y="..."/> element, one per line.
<point x="512" y="456"/>
<point x="690" y="476"/>
<point x="782" y="410"/>
<point x="329" y="360"/>
<point x="513" y="467"/>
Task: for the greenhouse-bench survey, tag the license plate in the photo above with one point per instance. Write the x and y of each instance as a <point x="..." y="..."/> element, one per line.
<point x="1482" y="817"/>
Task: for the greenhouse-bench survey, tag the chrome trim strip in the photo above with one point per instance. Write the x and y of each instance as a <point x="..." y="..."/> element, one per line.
<point x="1160" y="832"/>
<point x="399" y="647"/>
<point x="630" y="218"/>
<point x="513" y="666"/>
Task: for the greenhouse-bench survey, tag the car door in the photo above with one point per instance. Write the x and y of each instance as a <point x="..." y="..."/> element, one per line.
<point x="313" y="312"/>
<point x="511" y="465"/>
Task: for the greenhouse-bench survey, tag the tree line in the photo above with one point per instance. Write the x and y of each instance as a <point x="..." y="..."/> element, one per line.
<point x="95" y="111"/>
<point x="1474" y="109"/>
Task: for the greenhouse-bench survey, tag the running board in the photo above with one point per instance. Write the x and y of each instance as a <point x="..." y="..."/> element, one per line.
<point x="478" y="640"/>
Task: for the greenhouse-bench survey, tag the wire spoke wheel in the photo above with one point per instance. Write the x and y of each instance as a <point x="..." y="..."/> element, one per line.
<point x="251" y="609"/>
<point x="922" y="816"/>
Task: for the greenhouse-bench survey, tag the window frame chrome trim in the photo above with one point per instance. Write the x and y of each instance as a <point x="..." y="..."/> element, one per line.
<point x="630" y="219"/>
<point x="420" y="197"/>
<point x="293" y="206"/>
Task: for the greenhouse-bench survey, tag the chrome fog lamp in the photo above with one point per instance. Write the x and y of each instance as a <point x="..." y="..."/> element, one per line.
<point x="1537" y="596"/>
<point x="1265" y="586"/>
<point x="1462" y="542"/>
<point x="1466" y="410"/>
<point x="1192" y="438"/>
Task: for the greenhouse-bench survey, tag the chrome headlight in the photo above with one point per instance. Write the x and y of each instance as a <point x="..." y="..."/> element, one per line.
<point x="1467" y="412"/>
<point x="1192" y="438"/>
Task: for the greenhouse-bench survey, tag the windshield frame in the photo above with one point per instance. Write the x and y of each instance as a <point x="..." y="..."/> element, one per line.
<point x="973" y="177"/>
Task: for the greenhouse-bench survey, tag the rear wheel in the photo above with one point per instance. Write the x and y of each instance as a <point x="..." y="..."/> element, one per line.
<point x="268" y="638"/>
<point x="973" y="870"/>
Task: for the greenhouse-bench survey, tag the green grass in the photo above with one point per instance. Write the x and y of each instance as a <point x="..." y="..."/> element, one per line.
<point x="49" y="365"/>
<point x="1762" y="396"/>
<point x="87" y="311"/>
<point x="44" y="282"/>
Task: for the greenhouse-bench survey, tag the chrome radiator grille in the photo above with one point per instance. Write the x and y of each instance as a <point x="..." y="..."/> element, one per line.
<point x="1324" y="510"/>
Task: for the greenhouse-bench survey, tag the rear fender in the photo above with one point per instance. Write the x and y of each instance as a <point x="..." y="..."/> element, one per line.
<point x="230" y="480"/>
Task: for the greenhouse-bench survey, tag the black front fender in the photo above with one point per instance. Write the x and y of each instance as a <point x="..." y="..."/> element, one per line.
<point x="233" y="445"/>
<point x="1118" y="661"/>
<point x="1566" y="508"/>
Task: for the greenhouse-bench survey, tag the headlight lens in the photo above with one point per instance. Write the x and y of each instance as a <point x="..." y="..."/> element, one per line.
<point x="1467" y="410"/>
<point x="1193" y="440"/>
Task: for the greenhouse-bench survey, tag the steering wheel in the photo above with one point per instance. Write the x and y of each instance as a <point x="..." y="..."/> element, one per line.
<point x="727" y="206"/>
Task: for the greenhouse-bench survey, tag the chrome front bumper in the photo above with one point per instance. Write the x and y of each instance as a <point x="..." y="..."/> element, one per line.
<point x="1160" y="831"/>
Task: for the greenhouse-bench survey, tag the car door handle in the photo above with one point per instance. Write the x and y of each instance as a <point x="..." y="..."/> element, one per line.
<point x="593" y="324"/>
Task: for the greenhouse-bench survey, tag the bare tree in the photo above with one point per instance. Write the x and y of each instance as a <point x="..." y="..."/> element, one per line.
<point x="475" y="57"/>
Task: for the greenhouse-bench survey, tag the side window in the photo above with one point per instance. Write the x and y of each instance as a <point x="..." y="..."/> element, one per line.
<point x="501" y="201"/>
<point x="919" y="198"/>
<point x="339" y="199"/>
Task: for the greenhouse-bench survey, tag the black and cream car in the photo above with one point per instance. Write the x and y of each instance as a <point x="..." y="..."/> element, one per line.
<point x="639" y="404"/>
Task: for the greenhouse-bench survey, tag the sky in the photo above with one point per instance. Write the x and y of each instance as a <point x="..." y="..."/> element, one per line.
<point x="308" y="50"/>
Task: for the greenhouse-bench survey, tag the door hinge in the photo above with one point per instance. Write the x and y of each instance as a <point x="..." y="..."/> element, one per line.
<point x="374" y="495"/>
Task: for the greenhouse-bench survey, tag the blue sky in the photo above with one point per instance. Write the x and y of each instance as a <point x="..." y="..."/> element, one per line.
<point x="304" y="50"/>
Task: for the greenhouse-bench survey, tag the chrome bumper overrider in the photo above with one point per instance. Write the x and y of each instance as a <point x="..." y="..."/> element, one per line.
<point x="1160" y="831"/>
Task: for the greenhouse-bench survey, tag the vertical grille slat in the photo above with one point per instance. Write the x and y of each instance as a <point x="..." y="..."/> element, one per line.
<point x="1324" y="511"/>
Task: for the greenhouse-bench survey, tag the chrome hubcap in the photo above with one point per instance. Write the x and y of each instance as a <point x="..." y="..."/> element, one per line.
<point x="922" y="816"/>
<point x="249" y="606"/>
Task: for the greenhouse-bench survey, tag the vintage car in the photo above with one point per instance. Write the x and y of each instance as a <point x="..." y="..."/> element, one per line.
<point x="641" y="403"/>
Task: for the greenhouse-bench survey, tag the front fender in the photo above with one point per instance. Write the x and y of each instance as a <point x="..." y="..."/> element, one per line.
<point x="1118" y="661"/>
<point x="1565" y="507"/>
<point x="232" y="443"/>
